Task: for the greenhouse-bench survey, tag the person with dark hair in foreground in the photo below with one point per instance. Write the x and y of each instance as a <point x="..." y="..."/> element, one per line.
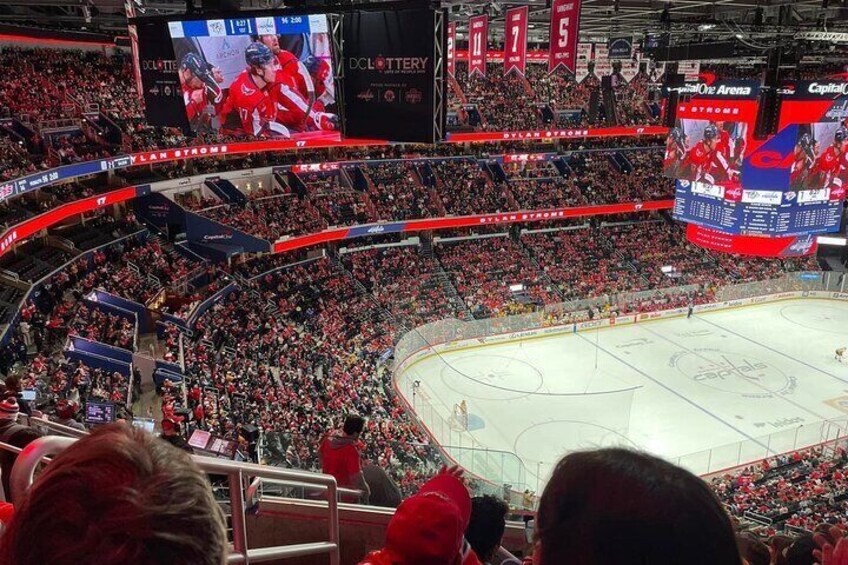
<point x="118" y="496"/>
<point x="340" y="457"/>
<point x="620" y="507"/>
<point x="486" y="529"/>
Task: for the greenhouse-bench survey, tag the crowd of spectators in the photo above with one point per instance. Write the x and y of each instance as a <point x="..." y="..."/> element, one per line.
<point x="465" y="189"/>
<point x="482" y="271"/>
<point x="397" y="191"/>
<point x="802" y="490"/>
<point x="269" y="218"/>
<point x="405" y="282"/>
<point x="93" y="324"/>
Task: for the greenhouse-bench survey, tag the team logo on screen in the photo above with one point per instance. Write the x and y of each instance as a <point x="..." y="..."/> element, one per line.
<point x="413" y="96"/>
<point x="365" y="95"/>
<point x="6" y="191"/>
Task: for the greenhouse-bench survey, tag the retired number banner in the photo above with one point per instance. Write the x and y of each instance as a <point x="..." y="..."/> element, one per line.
<point x="565" y="26"/>
<point x="515" y="56"/>
<point x="478" y="33"/>
<point x="452" y="48"/>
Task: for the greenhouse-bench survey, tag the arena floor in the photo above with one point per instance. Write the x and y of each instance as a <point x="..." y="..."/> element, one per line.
<point x="710" y="392"/>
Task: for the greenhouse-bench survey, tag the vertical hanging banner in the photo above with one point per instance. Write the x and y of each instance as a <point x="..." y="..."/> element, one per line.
<point x="452" y="48"/>
<point x="515" y="56"/>
<point x="478" y="34"/>
<point x="621" y="47"/>
<point x="584" y="55"/>
<point x="565" y="26"/>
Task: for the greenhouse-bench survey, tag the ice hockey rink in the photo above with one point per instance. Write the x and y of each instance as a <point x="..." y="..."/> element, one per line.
<point x="708" y="392"/>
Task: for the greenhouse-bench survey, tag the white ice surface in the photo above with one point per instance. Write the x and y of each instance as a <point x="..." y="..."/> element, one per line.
<point x="710" y="392"/>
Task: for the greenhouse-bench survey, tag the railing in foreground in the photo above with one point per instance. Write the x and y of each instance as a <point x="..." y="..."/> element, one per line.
<point x="238" y="475"/>
<point x="498" y="467"/>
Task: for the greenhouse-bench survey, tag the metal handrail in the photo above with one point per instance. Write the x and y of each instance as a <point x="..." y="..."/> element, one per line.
<point x="21" y="480"/>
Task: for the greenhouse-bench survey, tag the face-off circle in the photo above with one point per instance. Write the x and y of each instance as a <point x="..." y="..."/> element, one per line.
<point x="491" y="377"/>
<point x="826" y="318"/>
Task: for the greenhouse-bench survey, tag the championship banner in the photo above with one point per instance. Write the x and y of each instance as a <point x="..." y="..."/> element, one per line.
<point x="516" y="39"/>
<point x="565" y="27"/>
<point x="478" y="34"/>
<point x="603" y="65"/>
<point x="452" y="49"/>
<point x="689" y="69"/>
<point x="584" y="53"/>
<point x="629" y="70"/>
<point x="621" y="47"/>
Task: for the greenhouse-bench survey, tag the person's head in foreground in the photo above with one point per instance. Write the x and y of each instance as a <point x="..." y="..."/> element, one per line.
<point x="487" y="525"/>
<point x="427" y="529"/>
<point x="117" y="496"/>
<point x="621" y="507"/>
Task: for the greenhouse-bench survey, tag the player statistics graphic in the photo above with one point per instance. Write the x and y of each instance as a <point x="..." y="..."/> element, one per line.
<point x="263" y="77"/>
<point x="820" y="158"/>
<point x="705" y="151"/>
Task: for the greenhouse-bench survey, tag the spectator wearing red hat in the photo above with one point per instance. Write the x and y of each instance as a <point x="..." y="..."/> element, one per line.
<point x="11" y="433"/>
<point x="340" y="457"/>
<point x="429" y="528"/>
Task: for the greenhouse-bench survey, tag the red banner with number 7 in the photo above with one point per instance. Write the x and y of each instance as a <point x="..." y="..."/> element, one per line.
<point x="565" y="27"/>
<point x="515" y="56"/>
<point x="478" y="33"/>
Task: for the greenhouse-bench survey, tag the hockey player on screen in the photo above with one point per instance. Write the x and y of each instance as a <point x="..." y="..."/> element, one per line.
<point x="804" y="158"/>
<point x="322" y="78"/>
<point x="826" y="171"/>
<point x="201" y="88"/>
<point x="675" y="150"/>
<point x="252" y="97"/>
<point x="294" y="93"/>
<point x="705" y="163"/>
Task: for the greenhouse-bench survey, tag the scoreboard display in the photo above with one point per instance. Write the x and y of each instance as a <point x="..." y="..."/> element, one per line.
<point x="792" y="184"/>
<point x="735" y="210"/>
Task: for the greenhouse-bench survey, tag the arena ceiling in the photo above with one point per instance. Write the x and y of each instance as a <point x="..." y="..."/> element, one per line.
<point x="757" y="21"/>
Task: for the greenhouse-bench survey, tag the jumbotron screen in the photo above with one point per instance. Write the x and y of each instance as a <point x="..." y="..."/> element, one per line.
<point x="261" y="77"/>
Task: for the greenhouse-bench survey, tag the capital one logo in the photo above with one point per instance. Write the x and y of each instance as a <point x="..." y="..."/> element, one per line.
<point x="101" y="201"/>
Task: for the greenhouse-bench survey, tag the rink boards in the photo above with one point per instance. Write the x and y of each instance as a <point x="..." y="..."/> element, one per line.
<point x="706" y="396"/>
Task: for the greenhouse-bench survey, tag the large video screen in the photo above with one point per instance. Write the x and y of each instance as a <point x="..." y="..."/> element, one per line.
<point x="709" y="151"/>
<point x="262" y="77"/>
<point x="820" y="158"/>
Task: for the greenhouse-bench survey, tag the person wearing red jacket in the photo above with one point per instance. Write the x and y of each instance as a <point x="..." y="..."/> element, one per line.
<point x="827" y="168"/>
<point x="294" y="92"/>
<point x="705" y="162"/>
<point x="251" y="94"/>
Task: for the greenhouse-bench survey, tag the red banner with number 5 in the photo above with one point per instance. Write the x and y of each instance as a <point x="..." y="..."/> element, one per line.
<point x="478" y="33"/>
<point x="515" y="56"/>
<point x="565" y="27"/>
